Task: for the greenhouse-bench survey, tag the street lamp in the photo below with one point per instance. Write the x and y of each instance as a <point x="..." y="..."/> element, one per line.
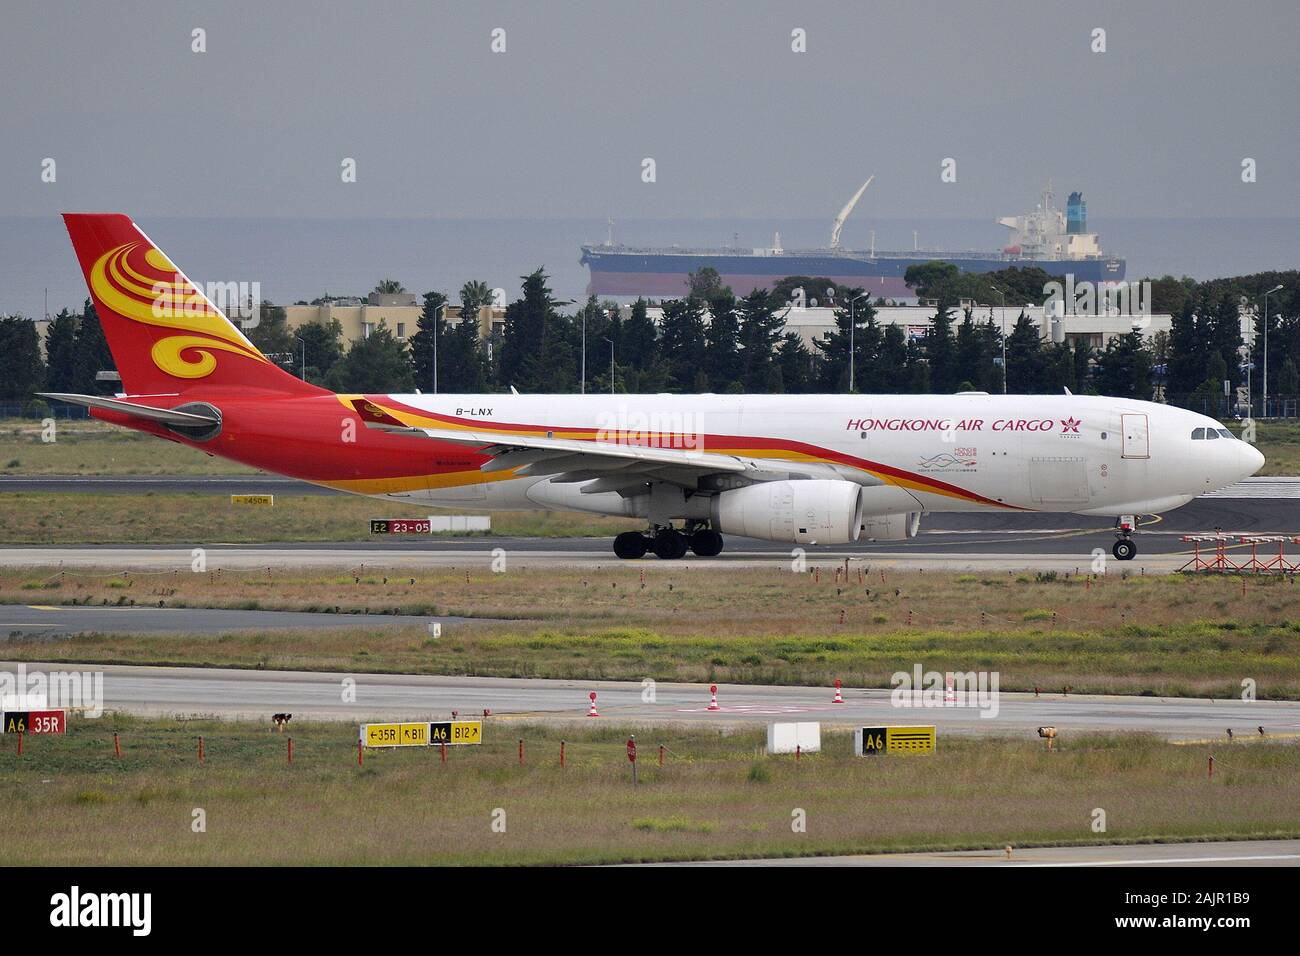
<point x="611" y="365"/>
<point x="441" y="308"/>
<point x="1264" y="398"/>
<point x="1003" y="297"/>
<point x="303" y="342"/>
<point x="853" y="324"/>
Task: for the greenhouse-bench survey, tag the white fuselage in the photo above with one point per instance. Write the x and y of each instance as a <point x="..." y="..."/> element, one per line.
<point x="928" y="453"/>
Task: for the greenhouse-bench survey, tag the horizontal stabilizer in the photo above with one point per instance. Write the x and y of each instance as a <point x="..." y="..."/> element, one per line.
<point x="164" y="415"/>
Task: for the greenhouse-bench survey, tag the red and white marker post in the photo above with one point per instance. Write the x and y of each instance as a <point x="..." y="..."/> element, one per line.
<point x="839" y="698"/>
<point x="591" y="711"/>
<point x="949" y="692"/>
<point x="713" y="697"/>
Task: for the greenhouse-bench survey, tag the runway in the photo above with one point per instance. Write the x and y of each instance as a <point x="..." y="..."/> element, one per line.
<point x="224" y="692"/>
<point x="36" y="620"/>
<point x="1225" y="853"/>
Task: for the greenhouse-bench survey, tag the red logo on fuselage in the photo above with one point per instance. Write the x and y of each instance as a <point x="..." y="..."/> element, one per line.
<point x="1070" y="425"/>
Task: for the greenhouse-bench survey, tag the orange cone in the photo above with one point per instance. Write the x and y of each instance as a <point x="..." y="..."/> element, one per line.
<point x="591" y="711"/>
<point x="713" y="700"/>
<point x="839" y="698"/>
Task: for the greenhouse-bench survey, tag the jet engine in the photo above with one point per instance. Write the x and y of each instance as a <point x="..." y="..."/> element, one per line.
<point x="815" y="511"/>
<point x="897" y="527"/>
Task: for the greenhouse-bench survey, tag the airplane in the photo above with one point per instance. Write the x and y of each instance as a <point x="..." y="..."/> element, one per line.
<point x="799" y="469"/>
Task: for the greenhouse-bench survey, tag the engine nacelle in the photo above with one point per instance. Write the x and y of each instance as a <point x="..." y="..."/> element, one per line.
<point x="897" y="527"/>
<point x="816" y="511"/>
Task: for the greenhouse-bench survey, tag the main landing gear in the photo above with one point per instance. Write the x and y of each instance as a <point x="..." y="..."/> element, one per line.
<point x="1124" y="548"/>
<point x="668" y="543"/>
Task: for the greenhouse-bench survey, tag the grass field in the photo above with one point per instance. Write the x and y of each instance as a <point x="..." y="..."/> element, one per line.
<point x="69" y="801"/>
<point x="1162" y="635"/>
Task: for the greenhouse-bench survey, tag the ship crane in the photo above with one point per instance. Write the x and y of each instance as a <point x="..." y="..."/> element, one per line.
<point x="844" y="213"/>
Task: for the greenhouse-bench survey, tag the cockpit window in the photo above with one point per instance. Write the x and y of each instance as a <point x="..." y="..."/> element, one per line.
<point x="1225" y="433"/>
<point x="1211" y="434"/>
<point x="1198" y="434"/>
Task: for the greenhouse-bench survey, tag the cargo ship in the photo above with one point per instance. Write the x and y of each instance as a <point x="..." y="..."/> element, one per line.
<point x="1047" y="238"/>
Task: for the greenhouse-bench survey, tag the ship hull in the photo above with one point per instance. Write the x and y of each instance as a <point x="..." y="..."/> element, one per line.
<point x="666" y="274"/>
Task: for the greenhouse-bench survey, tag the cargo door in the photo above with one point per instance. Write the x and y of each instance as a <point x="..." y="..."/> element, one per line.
<point x="1058" y="481"/>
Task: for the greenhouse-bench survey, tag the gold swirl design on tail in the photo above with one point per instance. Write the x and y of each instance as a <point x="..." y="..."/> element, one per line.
<point x="139" y="283"/>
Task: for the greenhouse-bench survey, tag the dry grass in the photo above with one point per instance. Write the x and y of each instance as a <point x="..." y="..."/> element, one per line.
<point x="1167" y="635"/>
<point x="68" y="801"/>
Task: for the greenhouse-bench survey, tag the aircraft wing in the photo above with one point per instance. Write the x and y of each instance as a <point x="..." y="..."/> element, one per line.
<point x="610" y="466"/>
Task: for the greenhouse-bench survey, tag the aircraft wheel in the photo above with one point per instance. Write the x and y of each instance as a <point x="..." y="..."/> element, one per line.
<point x="670" y="545"/>
<point x="631" y="545"/>
<point x="706" y="543"/>
<point x="1124" y="549"/>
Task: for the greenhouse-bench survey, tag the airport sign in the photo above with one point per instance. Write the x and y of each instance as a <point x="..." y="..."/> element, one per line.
<point x="456" y="732"/>
<point x="34" y="722"/>
<point x="395" y="735"/>
<point x="870" y="741"/>
<point x="400" y="526"/>
<point x="265" y="500"/>
<point x="422" y="733"/>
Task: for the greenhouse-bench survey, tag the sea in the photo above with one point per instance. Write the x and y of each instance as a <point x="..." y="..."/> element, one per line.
<point x="302" y="259"/>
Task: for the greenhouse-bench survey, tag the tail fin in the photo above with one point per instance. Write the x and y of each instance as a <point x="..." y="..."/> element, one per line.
<point x="166" y="336"/>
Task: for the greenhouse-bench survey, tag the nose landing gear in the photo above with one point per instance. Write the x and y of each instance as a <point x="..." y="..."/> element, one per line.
<point x="1124" y="547"/>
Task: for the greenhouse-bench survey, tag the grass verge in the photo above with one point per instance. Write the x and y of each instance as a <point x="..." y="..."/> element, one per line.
<point x="69" y="801"/>
<point x="1160" y="635"/>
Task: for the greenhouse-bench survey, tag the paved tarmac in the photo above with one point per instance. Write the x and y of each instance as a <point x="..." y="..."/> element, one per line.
<point x="232" y="693"/>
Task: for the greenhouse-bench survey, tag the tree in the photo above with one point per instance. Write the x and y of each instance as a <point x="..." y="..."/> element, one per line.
<point x="722" y="343"/>
<point x="940" y="349"/>
<point x="22" y="371"/>
<point x="1124" y="368"/>
<point x="522" y="356"/>
<point x="1188" y="352"/>
<point x="638" y="341"/>
<point x="389" y="287"/>
<point x="377" y="363"/>
<point x="61" y="353"/>
<point x="272" y="335"/>
<point x="797" y="365"/>
<point x="474" y="295"/>
<point x="320" y="344"/>
<point x="855" y="323"/>
<point x="760" y="331"/>
<point x="1026" y="368"/>
<point x="92" y="354"/>
<point x="706" y="285"/>
<point x="431" y="323"/>
<point x="682" y="344"/>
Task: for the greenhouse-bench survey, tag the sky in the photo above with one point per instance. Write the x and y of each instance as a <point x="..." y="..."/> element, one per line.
<point x="560" y="124"/>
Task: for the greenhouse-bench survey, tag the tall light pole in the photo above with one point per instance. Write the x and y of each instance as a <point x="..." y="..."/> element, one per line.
<point x="611" y="365"/>
<point x="440" y="308"/>
<point x="853" y="325"/>
<point x="1264" y="398"/>
<point x="1003" y="297"/>
<point x="303" y="342"/>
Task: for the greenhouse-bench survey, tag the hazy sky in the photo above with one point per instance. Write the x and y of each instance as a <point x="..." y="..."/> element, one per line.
<point x="738" y="124"/>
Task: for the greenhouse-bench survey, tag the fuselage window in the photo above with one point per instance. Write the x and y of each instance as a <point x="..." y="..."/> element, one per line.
<point x="1198" y="434"/>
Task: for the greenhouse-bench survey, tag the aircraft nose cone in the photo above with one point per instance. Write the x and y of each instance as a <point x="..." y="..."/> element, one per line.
<point x="1250" y="458"/>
